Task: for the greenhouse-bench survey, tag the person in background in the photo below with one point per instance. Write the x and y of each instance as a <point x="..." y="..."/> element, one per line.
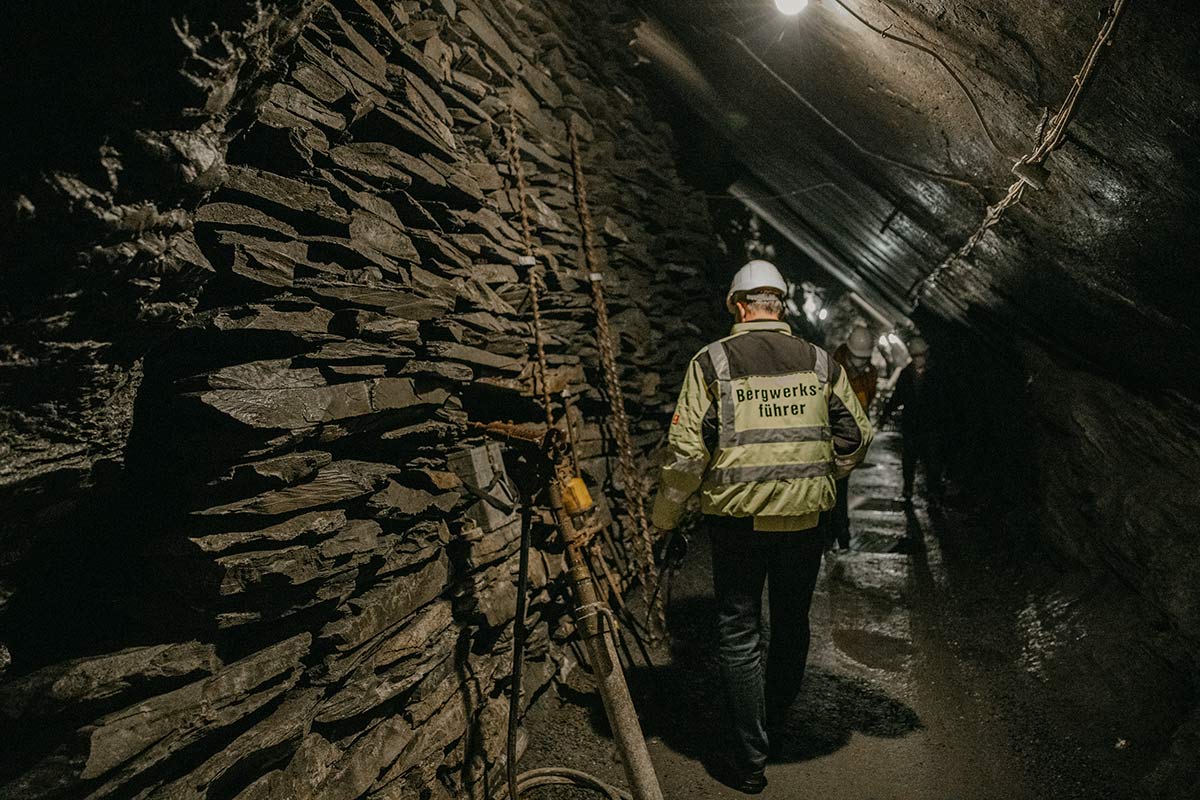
<point x="765" y="424"/>
<point x="918" y="424"/>
<point x="855" y="357"/>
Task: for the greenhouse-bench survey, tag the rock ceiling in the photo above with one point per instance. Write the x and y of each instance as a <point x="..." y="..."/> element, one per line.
<point x="871" y="152"/>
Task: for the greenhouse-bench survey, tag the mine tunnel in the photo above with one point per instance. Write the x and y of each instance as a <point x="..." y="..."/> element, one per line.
<point x="347" y="348"/>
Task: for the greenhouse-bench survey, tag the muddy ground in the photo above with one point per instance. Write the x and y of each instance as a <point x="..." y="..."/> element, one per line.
<point x="951" y="659"/>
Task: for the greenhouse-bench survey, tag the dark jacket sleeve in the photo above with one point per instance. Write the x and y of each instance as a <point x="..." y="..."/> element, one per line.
<point x="847" y="435"/>
<point x="848" y="423"/>
<point x="900" y="395"/>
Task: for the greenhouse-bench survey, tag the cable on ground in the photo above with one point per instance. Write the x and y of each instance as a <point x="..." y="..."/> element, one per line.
<point x="563" y="776"/>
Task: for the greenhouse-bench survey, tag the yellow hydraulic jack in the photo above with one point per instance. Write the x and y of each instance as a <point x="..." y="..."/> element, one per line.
<point x="576" y="517"/>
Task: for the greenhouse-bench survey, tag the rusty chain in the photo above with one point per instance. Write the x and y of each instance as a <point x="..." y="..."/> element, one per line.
<point x="643" y="540"/>
<point x="536" y="285"/>
<point x="542" y="370"/>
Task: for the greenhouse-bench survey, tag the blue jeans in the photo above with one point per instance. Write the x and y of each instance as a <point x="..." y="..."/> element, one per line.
<point x="743" y="560"/>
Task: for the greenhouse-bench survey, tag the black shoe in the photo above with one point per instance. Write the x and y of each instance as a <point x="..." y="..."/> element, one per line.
<point x="752" y="782"/>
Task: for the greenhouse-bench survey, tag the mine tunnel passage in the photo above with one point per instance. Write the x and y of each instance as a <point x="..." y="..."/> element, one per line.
<point x="944" y="664"/>
<point x="294" y="293"/>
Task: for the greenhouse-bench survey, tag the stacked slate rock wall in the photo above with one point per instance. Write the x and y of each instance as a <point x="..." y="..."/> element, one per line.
<point x="269" y="573"/>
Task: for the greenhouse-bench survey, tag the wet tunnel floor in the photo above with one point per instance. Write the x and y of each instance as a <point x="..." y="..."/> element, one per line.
<point x="916" y="687"/>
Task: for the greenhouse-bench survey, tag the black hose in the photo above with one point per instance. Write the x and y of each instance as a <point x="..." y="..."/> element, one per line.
<point x="544" y="776"/>
<point x="562" y="776"/>
<point x="518" y="658"/>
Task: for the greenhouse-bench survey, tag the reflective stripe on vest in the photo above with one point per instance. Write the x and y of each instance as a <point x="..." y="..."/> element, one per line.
<point x="772" y="472"/>
<point x="720" y="362"/>
<point x="809" y="433"/>
<point x="822" y="365"/>
<point x="729" y="436"/>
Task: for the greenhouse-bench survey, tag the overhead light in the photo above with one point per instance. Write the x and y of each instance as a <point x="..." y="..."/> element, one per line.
<point x="883" y="341"/>
<point x="823" y="313"/>
<point x="791" y="7"/>
<point x="894" y="339"/>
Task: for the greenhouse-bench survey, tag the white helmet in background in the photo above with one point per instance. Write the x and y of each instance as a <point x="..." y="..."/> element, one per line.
<point x="757" y="275"/>
<point x="917" y="347"/>
<point x="861" y="343"/>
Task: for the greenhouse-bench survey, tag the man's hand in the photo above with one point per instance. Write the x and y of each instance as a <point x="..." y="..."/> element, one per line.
<point x="671" y="547"/>
<point x="844" y="465"/>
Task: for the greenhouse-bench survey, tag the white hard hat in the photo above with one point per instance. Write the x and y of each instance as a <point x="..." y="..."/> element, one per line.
<point x="861" y="343"/>
<point x="756" y="275"/>
<point x="918" y="347"/>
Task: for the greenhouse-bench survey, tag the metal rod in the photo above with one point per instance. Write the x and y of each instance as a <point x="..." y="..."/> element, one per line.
<point x="574" y="444"/>
<point x="596" y="631"/>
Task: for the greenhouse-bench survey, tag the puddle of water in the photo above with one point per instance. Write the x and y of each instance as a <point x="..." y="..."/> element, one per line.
<point x="888" y="504"/>
<point x="874" y="540"/>
<point x="876" y="650"/>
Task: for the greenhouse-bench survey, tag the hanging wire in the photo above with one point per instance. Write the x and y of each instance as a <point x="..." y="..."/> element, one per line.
<point x="1050" y="138"/>
<point x="987" y="131"/>
<point x="534" y="279"/>
<point x="519" y="784"/>
<point x="895" y="162"/>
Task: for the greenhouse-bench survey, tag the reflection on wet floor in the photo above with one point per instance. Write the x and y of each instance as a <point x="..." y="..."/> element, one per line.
<point x="876" y="620"/>
<point x="912" y="675"/>
<point x="874" y="648"/>
<point x="869" y="505"/>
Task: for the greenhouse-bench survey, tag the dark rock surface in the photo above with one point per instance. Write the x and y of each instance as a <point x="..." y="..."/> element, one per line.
<point x="255" y="318"/>
<point x="1103" y="475"/>
<point x="261" y="273"/>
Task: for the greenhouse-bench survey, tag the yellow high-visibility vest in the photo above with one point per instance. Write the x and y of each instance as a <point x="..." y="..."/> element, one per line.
<point x="774" y="455"/>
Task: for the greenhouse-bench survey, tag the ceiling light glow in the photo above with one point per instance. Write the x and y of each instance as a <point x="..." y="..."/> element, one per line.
<point x="823" y="313"/>
<point x="791" y="7"/>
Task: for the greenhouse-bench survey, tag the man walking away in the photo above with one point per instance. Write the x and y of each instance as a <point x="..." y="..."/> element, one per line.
<point x="855" y="357"/>
<point x="917" y="422"/>
<point x="765" y="423"/>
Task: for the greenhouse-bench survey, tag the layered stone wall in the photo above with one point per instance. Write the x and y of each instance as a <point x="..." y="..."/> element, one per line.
<point x="245" y="553"/>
